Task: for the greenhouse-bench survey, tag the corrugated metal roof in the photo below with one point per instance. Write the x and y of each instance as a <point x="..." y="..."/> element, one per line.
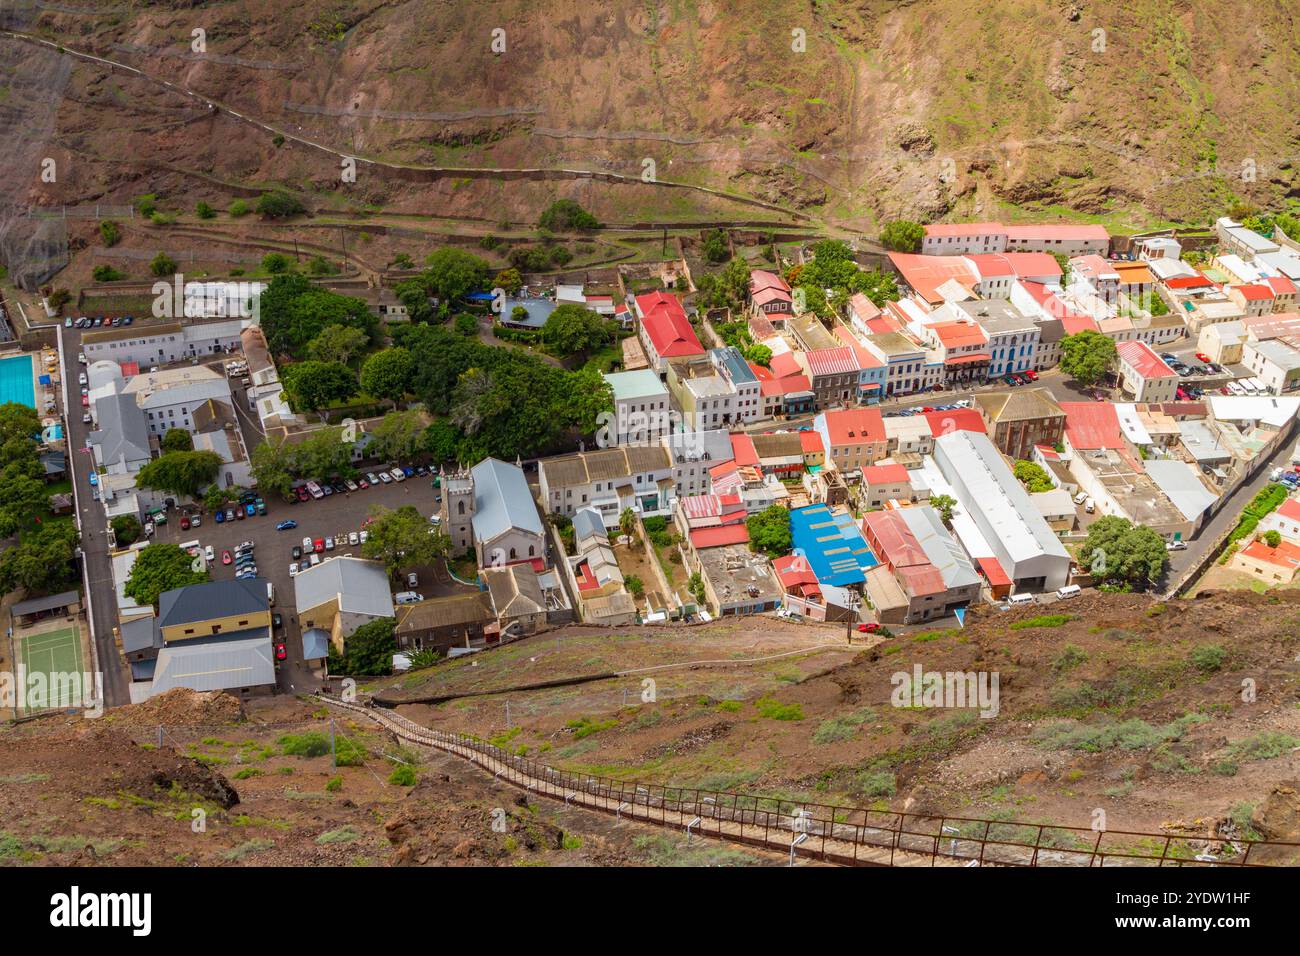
<point x="222" y="665"/>
<point x="203" y="602"/>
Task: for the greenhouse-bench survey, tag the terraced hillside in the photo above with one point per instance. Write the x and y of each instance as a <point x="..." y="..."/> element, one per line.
<point x="1128" y="112"/>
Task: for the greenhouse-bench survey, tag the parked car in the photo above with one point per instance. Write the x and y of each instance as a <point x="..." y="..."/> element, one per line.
<point x="277" y="622"/>
<point x="869" y="627"/>
<point x="1176" y="546"/>
<point x="318" y="545"/>
<point x="398" y="474"/>
<point x="301" y="493"/>
<point x="185" y="522"/>
<point x="220" y="516"/>
<point x="280" y="652"/>
<point x="306" y="544"/>
<point x="363" y="536"/>
<point x="412" y="580"/>
<point x="209" y="554"/>
<point x="329" y="544"/>
<point x="350" y="485"/>
<point x="408" y="471"/>
<point x="385" y="477"/>
<point x="353" y="538"/>
<point x="239" y="513"/>
<point x="372" y="478"/>
<point x="315" y="559"/>
<point x="286" y="525"/>
<point x="293" y="569"/>
<point x="196" y="520"/>
<point x="1202" y="357"/>
<point x="226" y="558"/>
<point x="295" y="552"/>
<point x="407" y="597"/>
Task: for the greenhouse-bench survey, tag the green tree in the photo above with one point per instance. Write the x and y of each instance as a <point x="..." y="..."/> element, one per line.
<point x="205" y="211"/>
<point x="294" y="311"/>
<point x="278" y="204"/>
<point x="325" y="453"/>
<point x="398" y="436"/>
<point x="510" y="280"/>
<point x="337" y="343"/>
<point x="271" y="464"/>
<point x="239" y="208"/>
<point x="276" y="263"/>
<point x="944" y="505"/>
<point x="769" y="530"/>
<point x="1118" y="552"/>
<point x="403" y="538"/>
<point x="902" y="235"/>
<point x="715" y="246"/>
<point x="312" y="385"/>
<point x="727" y="289"/>
<point x="1087" y="356"/>
<point x="43" y="560"/>
<point x="465" y="324"/>
<point x="635" y="586"/>
<point x="126" y="530"/>
<point x="180" y="472"/>
<point x="572" y="328"/>
<point x="441" y="441"/>
<point x="1032" y="476"/>
<point x="161" y="567"/>
<point x="368" y="651"/>
<point x="177" y="439"/>
<point x="22" y="496"/>
<point x="565" y="215"/>
<point x="627" y="521"/>
<point x="1272" y="538"/>
<point x="388" y="374"/>
<point x="107" y="274"/>
<point x="110" y="232"/>
<point x="163" y="265"/>
<point x="453" y="273"/>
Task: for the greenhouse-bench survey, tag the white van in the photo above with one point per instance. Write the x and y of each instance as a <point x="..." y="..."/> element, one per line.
<point x="1017" y="599"/>
<point x="270" y="594"/>
<point x="1080" y="498"/>
<point x="1069" y="591"/>
<point x="1089" y="506"/>
<point x="407" y="597"/>
<point x="1235" y="388"/>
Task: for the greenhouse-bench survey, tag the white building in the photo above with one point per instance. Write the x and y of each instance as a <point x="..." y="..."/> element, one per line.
<point x="162" y="343"/>
<point x="170" y="397"/>
<point x="1026" y="548"/>
<point x="1144" y="375"/>
<point x="1274" y="363"/>
<point x="642" y="410"/>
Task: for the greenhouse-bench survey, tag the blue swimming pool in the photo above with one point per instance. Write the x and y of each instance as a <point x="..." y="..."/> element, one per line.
<point x="16" y="380"/>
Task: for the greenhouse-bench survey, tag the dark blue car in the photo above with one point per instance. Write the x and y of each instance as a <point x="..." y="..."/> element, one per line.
<point x="286" y="525"/>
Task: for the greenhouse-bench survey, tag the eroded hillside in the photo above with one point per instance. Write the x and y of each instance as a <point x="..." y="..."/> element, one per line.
<point x="847" y="111"/>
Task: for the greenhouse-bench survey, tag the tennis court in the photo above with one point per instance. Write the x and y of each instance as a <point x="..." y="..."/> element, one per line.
<point x="57" y="655"/>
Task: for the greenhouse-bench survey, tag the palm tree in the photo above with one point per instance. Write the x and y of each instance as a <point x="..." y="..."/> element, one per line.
<point x="627" y="521"/>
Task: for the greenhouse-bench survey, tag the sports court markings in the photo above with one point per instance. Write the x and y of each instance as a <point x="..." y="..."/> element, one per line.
<point x="53" y="652"/>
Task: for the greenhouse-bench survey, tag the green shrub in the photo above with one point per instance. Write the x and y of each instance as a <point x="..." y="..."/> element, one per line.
<point x="333" y="784"/>
<point x="1043" y="620"/>
<point x="772" y="709"/>
<point x="1128" y="735"/>
<point x="876" y="783"/>
<point x="842" y="727"/>
<point x="1208" y="658"/>
<point x="586" y="726"/>
<point x="403" y="775"/>
<point x="1071" y="656"/>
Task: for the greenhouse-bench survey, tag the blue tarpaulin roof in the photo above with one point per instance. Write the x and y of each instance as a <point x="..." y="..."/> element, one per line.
<point x="832" y="545"/>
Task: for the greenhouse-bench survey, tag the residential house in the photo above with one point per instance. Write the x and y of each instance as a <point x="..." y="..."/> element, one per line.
<point x="447" y="622"/>
<point x="927" y="566"/>
<point x="339" y="595"/>
<point x="1144" y="375"/>
<point x="833" y="373"/>
<point x="642" y="409"/>
<point x="610" y="480"/>
<point x="853" y="438"/>
<point x="1275" y="363"/>
<point x="882" y="484"/>
<point x="665" y="332"/>
<point x="1268" y="564"/>
<point x="769" y="294"/>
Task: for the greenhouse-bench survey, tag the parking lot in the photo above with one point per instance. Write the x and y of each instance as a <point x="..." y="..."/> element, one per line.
<point x="333" y="517"/>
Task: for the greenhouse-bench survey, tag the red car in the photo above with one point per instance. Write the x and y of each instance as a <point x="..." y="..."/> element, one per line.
<point x="85" y="401"/>
<point x="280" y="652"/>
<point x="185" y="523"/>
<point x="302" y="493"/>
<point x="318" y="545"/>
<point x="1202" y="357"/>
<point x="1033" y="376"/>
<point x="868" y="628"/>
<point x="225" y="557"/>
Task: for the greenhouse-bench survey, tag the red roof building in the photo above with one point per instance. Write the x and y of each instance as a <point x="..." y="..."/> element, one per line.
<point x="666" y="332"/>
<point x="955" y="420"/>
<point x="719" y="537"/>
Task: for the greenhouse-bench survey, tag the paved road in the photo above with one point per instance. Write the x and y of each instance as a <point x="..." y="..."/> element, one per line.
<point x="334" y="517"/>
<point x="97" y="570"/>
